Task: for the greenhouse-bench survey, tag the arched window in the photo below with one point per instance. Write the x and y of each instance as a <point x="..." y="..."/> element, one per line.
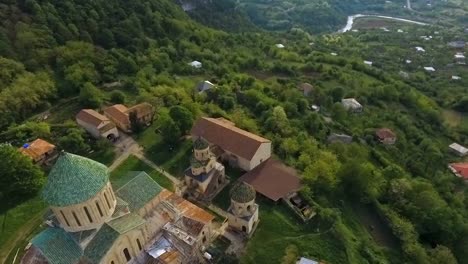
<point x="204" y="239"/>
<point x="249" y="207"/>
<point x="76" y="219"/>
<point x="139" y="244"/>
<point x="99" y="208"/>
<point x="88" y="214"/>
<point x="107" y="200"/>
<point x="111" y="193"/>
<point x="127" y="254"/>
<point x="112" y="262"/>
<point x="244" y="229"/>
<point x="64" y="218"/>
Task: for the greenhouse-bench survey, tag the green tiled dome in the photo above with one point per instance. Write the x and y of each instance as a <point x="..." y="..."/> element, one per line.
<point x="200" y="144"/>
<point x="242" y="192"/>
<point x="74" y="179"/>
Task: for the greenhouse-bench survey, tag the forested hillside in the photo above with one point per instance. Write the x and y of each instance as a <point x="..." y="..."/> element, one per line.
<point x="59" y="56"/>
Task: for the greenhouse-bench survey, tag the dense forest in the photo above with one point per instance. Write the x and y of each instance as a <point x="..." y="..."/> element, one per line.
<point x="57" y="57"/>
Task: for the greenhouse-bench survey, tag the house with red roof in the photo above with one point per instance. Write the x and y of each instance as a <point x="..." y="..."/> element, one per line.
<point x="386" y="136"/>
<point x="460" y="170"/>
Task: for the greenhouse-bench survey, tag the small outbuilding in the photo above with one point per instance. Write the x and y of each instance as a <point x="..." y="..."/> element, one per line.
<point x="279" y="46"/>
<point x="196" y="64"/>
<point x="204" y="86"/>
<point x="420" y="49"/>
<point x="352" y="105"/>
<point x="306" y="88"/>
<point x="429" y="69"/>
<point x="460" y="170"/>
<point x="458" y="149"/>
<point x="368" y="63"/>
<point x="40" y="151"/>
<point x="386" y="136"/>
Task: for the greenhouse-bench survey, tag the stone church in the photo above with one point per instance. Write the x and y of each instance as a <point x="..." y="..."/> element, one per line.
<point x="140" y="222"/>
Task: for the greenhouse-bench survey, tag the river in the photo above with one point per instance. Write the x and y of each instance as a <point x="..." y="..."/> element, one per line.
<point x="349" y="24"/>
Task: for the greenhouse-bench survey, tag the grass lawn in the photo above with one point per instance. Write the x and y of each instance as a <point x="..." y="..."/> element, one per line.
<point x="279" y="228"/>
<point x="18" y="223"/>
<point x="223" y="199"/>
<point x="173" y="159"/>
<point x="121" y="175"/>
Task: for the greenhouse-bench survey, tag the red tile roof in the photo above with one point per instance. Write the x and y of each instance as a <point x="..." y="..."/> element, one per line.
<point x="37" y="148"/>
<point x="91" y="117"/>
<point x="118" y="112"/>
<point x="273" y="179"/>
<point x="384" y="133"/>
<point x="225" y="134"/>
<point x="461" y="169"/>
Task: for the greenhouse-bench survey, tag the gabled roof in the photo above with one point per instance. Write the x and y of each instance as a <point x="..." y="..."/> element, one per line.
<point x="384" y="133"/>
<point x="91" y="117"/>
<point x="141" y="110"/>
<point x="227" y="136"/>
<point x="126" y="223"/>
<point x="139" y="191"/>
<point x="461" y="169"/>
<point x="459" y="148"/>
<point x="273" y="179"/>
<point x="37" y="148"/>
<point x="74" y="179"/>
<point x="118" y="112"/>
<point x="306" y="87"/>
<point x="204" y="85"/>
<point x="57" y="246"/>
<point x="100" y="244"/>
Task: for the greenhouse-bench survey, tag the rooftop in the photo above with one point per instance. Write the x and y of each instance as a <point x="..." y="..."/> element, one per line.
<point x="101" y="243"/>
<point x="385" y="133"/>
<point x="242" y="192"/>
<point x="57" y="246"/>
<point x="91" y="117"/>
<point x="139" y="191"/>
<point x="118" y="112"/>
<point x="200" y="144"/>
<point x="273" y="179"/>
<point x="460" y="169"/>
<point x="37" y="148"/>
<point x="74" y="179"/>
<point x="459" y="148"/>
<point x="227" y="136"/>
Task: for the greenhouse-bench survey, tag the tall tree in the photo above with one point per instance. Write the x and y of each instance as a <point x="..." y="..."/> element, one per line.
<point x="20" y="178"/>
<point x="182" y="117"/>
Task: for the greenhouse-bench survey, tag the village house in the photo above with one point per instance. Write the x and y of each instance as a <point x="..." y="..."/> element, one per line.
<point x="121" y="115"/>
<point x="303" y="260"/>
<point x="458" y="149"/>
<point x="458" y="44"/>
<point x="352" y="105"/>
<point x="368" y="63"/>
<point x="40" y="151"/>
<point x="229" y="143"/>
<point x="460" y="170"/>
<point x="89" y="222"/>
<point x="206" y="176"/>
<point x="204" y="86"/>
<point x="306" y="88"/>
<point x="196" y="64"/>
<point x="386" y="136"/>
<point x="96" y="124"/>
<point x="429" y="69"/>
<point x="279" y="46"/>
<point x="243" y="211"/>
<point x="459" y="58"/>
<point x="273" y="179"/>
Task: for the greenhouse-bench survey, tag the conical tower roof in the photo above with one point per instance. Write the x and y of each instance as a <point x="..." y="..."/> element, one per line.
<point x="74" y="179"/>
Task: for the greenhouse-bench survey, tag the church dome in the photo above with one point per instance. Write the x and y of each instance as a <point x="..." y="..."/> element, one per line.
<point x="200" y="144"/>
<point x="74" y="179"/>
<point x="242" y="192"/>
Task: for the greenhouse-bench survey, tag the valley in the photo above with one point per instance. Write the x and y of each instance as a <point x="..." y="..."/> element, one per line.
<point x="280" y="70"/>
